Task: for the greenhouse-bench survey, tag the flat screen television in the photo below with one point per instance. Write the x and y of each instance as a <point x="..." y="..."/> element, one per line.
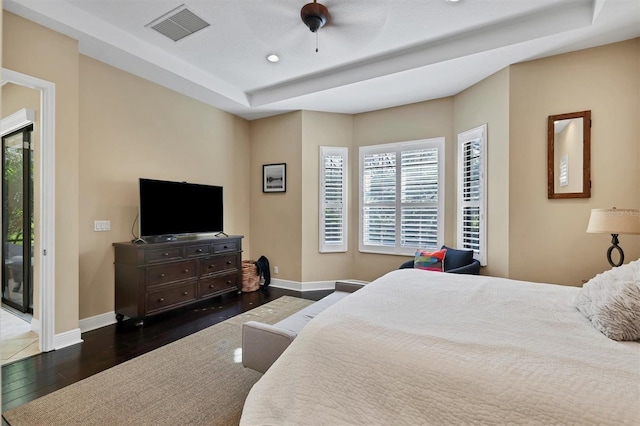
<point x="177" y="208"/>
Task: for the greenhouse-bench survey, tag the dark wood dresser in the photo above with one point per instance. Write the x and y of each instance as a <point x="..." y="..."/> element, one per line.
<point x="155" y="278"/>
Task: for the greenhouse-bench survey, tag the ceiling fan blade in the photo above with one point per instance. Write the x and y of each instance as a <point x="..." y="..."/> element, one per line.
<point x="371" y="12"/>
<point x="270" y="21"/>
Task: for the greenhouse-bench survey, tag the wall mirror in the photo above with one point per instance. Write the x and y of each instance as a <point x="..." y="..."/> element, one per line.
<point x="569" y="155"/>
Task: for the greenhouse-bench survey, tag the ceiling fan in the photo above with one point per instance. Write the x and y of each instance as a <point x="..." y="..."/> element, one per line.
<point x="315" y="16"/>
<point x="342" y="24"/>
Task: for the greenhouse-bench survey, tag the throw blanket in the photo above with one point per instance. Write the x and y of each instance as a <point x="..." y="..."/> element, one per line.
<point x="420" y="347"/>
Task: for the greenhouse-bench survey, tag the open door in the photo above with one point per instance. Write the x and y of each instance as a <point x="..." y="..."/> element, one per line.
<point x="17" y="220"/>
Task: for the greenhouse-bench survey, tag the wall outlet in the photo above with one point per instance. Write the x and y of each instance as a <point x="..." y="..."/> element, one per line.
<point x="101" y="225"/>
<point x="275" y="269"/>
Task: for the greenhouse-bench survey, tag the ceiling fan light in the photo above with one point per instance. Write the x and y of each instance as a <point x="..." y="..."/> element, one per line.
<point x="314" y="15"/>
<point x="314" y="23"/>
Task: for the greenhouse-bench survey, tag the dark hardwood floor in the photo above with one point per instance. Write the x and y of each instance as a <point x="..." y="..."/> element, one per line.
<point x="36" y="376"/>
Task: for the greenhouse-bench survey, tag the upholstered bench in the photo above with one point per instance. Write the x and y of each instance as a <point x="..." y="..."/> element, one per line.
<point x="262" y="343"/>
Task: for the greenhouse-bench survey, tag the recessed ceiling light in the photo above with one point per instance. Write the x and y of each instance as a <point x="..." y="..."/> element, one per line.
<point x="452" y="1"/>
<point x="273" y="58"/>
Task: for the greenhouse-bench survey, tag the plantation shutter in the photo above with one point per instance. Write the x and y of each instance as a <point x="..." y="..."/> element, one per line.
<point x="333" y="199"/>
<point x="379" y="191"/>
<point x="401" y="202"/>
<point x="471" y="192"/>
<point x="420" y="185"/>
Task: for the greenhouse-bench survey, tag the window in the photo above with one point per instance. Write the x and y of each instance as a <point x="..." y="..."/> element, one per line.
<point x="472" y="189"/>
<point x="402" y="196"/>
<point x="333" y="199"/>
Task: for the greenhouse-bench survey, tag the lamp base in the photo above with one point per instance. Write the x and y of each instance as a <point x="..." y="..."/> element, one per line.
<point x="615" y="246"/>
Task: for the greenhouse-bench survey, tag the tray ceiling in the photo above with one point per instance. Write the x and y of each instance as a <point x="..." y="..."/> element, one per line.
<point x="373" y="54"/>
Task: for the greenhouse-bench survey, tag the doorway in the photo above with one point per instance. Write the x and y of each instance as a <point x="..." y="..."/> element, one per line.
<point x="42" y="103"/>
<point x="17" y="223"/>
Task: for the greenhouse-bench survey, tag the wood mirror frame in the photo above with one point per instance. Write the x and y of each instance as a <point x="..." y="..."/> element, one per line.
<point x="581" y="122"/>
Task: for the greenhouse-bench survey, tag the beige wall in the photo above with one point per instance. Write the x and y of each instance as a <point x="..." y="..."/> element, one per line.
<point x="547" y="240"/>
<point x="410" y="122"/>
<point x="322" y="129"/>
<point x="284" y="227"/>
<point x="16" y="97"/>
<point x="488" y="102"/>
<point x="126" y="128"/>
<point x="45" y="54"/>
<point x="276" y="218"/>
<point x="132" y="128"/>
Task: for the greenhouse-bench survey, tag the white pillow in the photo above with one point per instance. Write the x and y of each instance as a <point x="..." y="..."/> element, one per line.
<point x="611" y="301"/>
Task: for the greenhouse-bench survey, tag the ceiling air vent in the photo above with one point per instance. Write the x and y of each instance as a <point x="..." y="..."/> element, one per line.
<point x="178" y="23"/>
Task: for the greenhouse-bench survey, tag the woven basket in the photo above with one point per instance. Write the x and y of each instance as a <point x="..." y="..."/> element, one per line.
<point x="250" y="277"/>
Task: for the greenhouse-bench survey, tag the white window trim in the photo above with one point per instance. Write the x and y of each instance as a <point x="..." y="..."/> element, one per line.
<point x="333" y="248"/>
<point x="16" y="121"/>
<point x="479" y="132"/>
<point x="399" y="147"/>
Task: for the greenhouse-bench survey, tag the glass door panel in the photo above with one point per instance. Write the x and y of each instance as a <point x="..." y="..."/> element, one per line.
<point x="17" y="226"/>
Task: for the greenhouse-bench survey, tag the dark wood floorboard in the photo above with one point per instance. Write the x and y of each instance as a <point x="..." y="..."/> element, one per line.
<point x="36" y="376"/>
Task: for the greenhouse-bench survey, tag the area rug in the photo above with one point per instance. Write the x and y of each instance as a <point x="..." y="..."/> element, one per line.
<point x="197" y="380"/>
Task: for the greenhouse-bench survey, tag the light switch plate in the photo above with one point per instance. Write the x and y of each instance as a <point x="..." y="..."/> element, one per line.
<point x="101" y="225"/>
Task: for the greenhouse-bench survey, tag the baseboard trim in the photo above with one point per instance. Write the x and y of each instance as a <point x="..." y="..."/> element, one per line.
<point x="108" y="318"/>
<point x="35" y="325"/>
<point x="68" y="338"/>
<point x="304" y="286"/>
<point x="98" y="321"/>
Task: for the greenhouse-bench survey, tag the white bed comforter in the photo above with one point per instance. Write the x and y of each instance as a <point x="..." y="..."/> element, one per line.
<point x="417" y="347"/>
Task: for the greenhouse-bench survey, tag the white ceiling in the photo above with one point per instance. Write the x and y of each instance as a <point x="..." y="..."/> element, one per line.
<point x="373" y="54"/>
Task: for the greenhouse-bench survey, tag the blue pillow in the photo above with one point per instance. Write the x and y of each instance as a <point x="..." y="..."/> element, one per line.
<point x="457" y="258"/>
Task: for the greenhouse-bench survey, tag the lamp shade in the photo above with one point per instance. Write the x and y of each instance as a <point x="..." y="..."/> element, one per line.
<point x="614" y="221"/>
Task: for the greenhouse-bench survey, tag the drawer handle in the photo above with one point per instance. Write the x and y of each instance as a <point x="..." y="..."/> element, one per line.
<point x="229" y="282"/>
<point x="165" y="254"/>
<point x="229" y="262"/>
<point x="211" y="286"/>
<point x="161" y="300"/>
<point x="226" y="247"/>
<point x="199" y="251"/>
<point x="212" y="266"/>
<point x="162" y="275"/>
<point x="185" y="293"/>
<point x="186" y="270"/>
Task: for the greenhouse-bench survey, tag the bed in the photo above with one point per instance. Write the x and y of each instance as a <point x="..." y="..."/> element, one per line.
<point x="420" y="347"/>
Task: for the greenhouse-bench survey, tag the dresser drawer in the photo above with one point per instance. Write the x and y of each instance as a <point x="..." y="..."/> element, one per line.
<point x="226" y="246"/>
<point x="214" y="285"/>
<point x="171" y="297"/>
<point x="163" y="255"/>
<point x="197" y="250"/>
<point x="163" y="274"/>
<point x="217" y="264"/>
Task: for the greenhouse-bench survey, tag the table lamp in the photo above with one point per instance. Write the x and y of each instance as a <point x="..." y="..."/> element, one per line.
<point x="614" y="221"/>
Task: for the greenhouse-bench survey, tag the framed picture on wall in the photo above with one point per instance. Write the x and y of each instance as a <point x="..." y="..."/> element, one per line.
<point x="274" y="177"/>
